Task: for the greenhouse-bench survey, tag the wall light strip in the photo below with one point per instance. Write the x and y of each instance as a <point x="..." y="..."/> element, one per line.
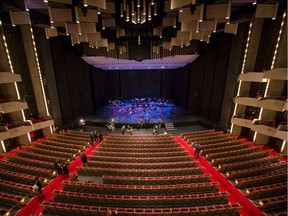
<point x="246" y="48"/>
<point x="3" y="146"/>
<point x="40" y="74"/>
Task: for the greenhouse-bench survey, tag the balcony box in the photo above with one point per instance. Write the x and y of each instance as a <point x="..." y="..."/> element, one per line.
<point x="43" y="124"/>
<point x="252" y="77"/>
<point x="242" y="122"/>
<point x="4" y="135"/>
<point x="263" y="129"/>
<point x="13" y="106"/>
<point x="276" y="74"/>
<point x="21" y="130"/>
<point x="281" y="134"/>
<point x="246" y="101"/>
<point x="272" y="104"/>
<point x="8" y="77"/>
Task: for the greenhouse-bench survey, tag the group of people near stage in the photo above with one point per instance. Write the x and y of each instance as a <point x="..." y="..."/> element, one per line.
<point x="129" y="129"/>
<point x="96" y="137"/>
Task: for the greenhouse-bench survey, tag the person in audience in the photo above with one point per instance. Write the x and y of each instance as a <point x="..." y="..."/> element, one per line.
<point x="100" y="137"/>
<point x="123" y="129"/>
<point x="58" y="167"/>
<point x="37" y="187"/>
<point x="165" y="131"/>
<point x="92" y="137"/>
<point x="197" y="152"/>
<point x="96" y="136"/>
<point x="84" y="159"/>
<point x="147" y="122"/>
<point x="65" y="170"/>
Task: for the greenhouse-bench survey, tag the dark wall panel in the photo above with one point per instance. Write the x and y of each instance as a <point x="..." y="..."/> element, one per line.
<point x="130" y="84"/>
<point x="73" y="80"/>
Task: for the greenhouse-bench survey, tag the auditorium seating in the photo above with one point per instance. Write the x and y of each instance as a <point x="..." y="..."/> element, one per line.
<point x="142" y="175"/>
<point x="18" y="171"/>
<point x="254" y="171"/>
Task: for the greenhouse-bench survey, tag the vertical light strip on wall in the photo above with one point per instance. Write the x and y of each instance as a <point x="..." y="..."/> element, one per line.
<point x="242" y="70"/>
<point x="40" y="74"/>
<point x="3" y="146"/>
<point x="12" y="71"/>
<point x="272" y="65"/>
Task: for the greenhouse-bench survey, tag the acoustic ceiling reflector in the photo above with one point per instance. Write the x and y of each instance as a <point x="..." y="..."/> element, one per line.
<point x="231" y="28"/>
<point x="167" y="45"/>
<point x="218" y="11"/>
<point x="176" y="42"/>
<point x="71" y="28"/>
<point x="86" y="15"/>
<point x="169" y="21"/>
<point x="167" y="6"/>
<point x="20" y="18"/>
<point x="266" y="10"/>
<point x="156" y="49"/>
<point x="122" y="49"/>
<point x="208" y="26"/>
<point x="108" y="23"/>
<point x="188" y="15"/>
<point x="111" y="46"/>
<point x="205" y="35"/>
<point x="60" y="15"/>
<point x="196" y="36"/>
<point x="158" y="32"/>
<point x="75" y="39"/>
<point x="177" y="4"/>
<point x="93" y="36"/>
<point x="110" y="8"/>
<point x="51" y="32"/>
<point x="189" y="26"/>
<point x="96" y="3"/>
<point x="184" y="35"/>
<point x="120" y="33"/>
<point x="102" y="43"/>
<point x="87" y="28"/>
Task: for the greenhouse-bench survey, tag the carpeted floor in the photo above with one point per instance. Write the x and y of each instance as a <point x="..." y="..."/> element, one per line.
<point x="249" y="208"/>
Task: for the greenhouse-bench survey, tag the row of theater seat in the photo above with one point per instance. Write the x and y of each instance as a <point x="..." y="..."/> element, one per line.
<point x="76" y="138"/>
<point x="235" y="159"/>
<point x="138" y="173"/>
<point x="219" y="155"/>
<point x="212" y="141"/>
<point x="140" y="160"/>
<point x="86" y="210"/>
<point x="10" y="199"/>
<point x="266" y="190"/>
<point x="141" y="189"/>
<point x="59" y="139"/>
<point x="141" y="200"/>
<point x="139" y="145"/>
<point x="138" y="141"/>
<point x="220" y="144"/>
<point x="196" y="133"/>
<point x="275" y="202"/>
<point x="142" y="154"/>
<point x="214" y="136"/>
<point x="165" y="180"/>
<point x="63" y="144"/>
<point x="159" y="165"/>
<point x="163" y="149"/>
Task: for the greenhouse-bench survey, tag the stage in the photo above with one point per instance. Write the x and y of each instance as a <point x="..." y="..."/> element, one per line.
<point x="124" y="112"/>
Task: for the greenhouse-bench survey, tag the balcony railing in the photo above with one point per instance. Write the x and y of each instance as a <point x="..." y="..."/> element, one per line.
<point x="8" y="77"/>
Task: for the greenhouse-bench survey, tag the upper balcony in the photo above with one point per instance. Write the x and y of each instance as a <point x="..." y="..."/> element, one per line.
<point x="264" y="127"/>
<point x="246" y="101"/>
<point x="252" y="77"/>
<point x="8" y="77"/>
<point x="276" y="74"/>
<point x="238" y="120"/>
<point x="281" y="132"/>
<point x="4" y="133"/>
<point x="16" y="129"/>
<point x="40" y="122"/>
<point x="273" y="103"/>
<point x="12" y="105"/>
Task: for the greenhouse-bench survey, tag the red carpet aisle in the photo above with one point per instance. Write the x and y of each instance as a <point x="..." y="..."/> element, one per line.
<point x="249" y="209"/>
<point x="33" y="207"/>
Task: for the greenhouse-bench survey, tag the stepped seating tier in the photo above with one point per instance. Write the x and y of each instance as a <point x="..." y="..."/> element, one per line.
<point x="267" y="190"/>
<point x="139" y="160"/>
<point x="13" y="187"/>
<point x="137" y="172"/>
<point x="72" y="209"/>
<point x="137" y="154"/>
<point x="115" y="189"/>
<point x="31" y="162"/>
<point x="269" y="168"/>
<point x="166" y="180"/>
<point x="112" y="149"/>
<point x="38" y="156"/>
<point x="141" y="201"/>
<point x="160" y="165"/>
<point x="63" y="145"/>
